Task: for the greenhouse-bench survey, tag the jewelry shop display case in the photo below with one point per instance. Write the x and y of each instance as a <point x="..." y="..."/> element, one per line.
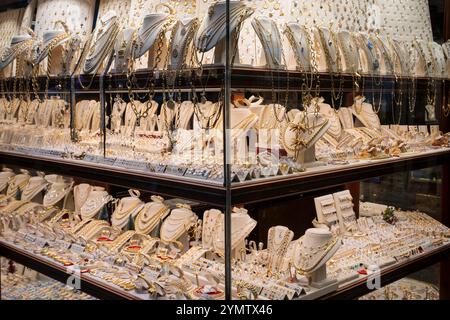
<point x="203" y="149"/>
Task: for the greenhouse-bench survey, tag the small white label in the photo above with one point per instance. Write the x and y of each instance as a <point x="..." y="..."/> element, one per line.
<point x="151" y="275"/>
<point x="30" y="238"/>
<point x="110" y="259"/>
<point x="76" y="248"/>
<point x="63" y="244"/>
<point x="41" y="242"/>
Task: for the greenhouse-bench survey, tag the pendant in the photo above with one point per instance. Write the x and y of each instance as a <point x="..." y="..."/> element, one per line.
<point x="175" y="53"/>
<point x="171" y="104"/>
<point x="430" y="113"/>
<point x="203" y="99"/>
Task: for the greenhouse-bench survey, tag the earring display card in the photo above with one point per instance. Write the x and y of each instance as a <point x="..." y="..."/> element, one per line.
<point x="345" y="212"/>
<point x="28" y="14"/>
<point x="77" y="14"/>
<point x="326" y="210"/>
<point x="9" y="26"/>
<point x="121" y="7"/>
<point x="339" y="15"/>
<point x="404" y="20"/>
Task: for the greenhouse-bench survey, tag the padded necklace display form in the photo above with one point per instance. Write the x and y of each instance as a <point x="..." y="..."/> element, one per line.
<point x="269" y="35"/>
<point x="213" y="27"/>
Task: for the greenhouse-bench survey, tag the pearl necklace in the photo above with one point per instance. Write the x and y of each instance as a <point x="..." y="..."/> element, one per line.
<point x="241" y="225"/>
<point x="127" y="207"/>
<point x="56" y="193"/>
<point x="179" y="221"/>
<point x="34" y="186"/>
<point x="5" y="177"/>
<point x="121" y="240"/>
<point x="211" y="219"/>
<point x="150" y="215"/>
<point x="17" y="183"/>
<point x="81" y="193"/>
<point x="95" y="201"/>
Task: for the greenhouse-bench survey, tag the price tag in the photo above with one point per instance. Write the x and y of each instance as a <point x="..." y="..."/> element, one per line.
<point x="63" y="244"/>
<point x="76" y="248"/>
<point x="108" y="161"/>
<point x="176" y="171"/>
<point x="151" y="167"/>
<point x="413" y="129"/>
<point x="136" y="165"/>
<point x="20" y="234"/>
<point x="110" y="259"/>
<point x="297" y="288"/>
<point x="41" y="242"/>
<point x="150" y="274"/>
<point x="290" y="293"/>
<point x="202" y="174"/>
<point x="90" y="158"/>
<point x="30" y="238"/>
<point x="133" y="267"/>
<point x="160" y="168"/>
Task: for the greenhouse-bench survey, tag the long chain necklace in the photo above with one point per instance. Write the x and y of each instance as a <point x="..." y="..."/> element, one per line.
<point x="335" y="97"/>
<point x="431" y="87"/>
<point x="212" y="119"/>
<point x="35" y="84"/>
<point x="307" y="82"/>
<point x="261" y="31"/>
<point x="446" y="107"/>
<point x="114" y="30"/>
<point x="412" y="97"/>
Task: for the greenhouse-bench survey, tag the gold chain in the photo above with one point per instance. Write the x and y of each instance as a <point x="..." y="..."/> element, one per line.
<point x="340" y="94"/>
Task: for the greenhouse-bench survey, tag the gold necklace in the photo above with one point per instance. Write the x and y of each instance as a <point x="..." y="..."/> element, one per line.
<point x="340" y="94"/>
<point x="446" y="108"/>
<point x="312" y="253"/>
